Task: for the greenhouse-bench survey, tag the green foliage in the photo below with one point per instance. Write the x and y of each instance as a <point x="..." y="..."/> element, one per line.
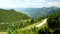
<point x="29" y="29"/>
<point x="15" y="29"/>
<point x="11" y="16"/>
<point x="15" y="23"/>
<point x="54" y="21"/>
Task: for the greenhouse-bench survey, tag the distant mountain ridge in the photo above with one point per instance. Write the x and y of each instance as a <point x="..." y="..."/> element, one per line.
<point x="39" y="12"/>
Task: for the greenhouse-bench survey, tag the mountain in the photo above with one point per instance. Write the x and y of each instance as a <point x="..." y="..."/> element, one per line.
<point x="11" y="16"/>
<point x="39" y="12"/>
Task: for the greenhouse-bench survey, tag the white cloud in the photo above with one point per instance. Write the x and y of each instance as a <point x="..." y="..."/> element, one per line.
<point x="26" y="3"/>
<point x="54" y="4"/>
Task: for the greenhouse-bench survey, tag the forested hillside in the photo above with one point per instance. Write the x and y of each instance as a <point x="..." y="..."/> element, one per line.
<point x="11" y="16"/>
<point x="14" y="22"/>
<point x="52" y="26"/>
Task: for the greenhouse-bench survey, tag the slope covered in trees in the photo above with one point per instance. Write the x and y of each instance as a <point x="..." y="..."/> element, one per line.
<point x="18" y="20"/>
<point x="52" y="26"/>
<point x="10" y="19"/>
<point x="54" y="23"/>
<point x="11" y="16"/>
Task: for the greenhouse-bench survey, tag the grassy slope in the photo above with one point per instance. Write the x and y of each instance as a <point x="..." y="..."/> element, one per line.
<point x="2" y="32"/>
<point x="30" y="27"/>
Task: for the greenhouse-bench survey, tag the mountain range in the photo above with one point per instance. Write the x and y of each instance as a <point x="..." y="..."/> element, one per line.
<point x="38" y="12"/>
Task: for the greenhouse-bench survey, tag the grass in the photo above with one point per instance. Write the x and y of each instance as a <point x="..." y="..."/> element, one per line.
<point x="32" y="26"/>
<point x="2" y="32"/>
<point x="28" y="29"/>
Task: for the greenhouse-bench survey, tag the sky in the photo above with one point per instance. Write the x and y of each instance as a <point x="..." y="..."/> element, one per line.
<point x="28" y="3"/>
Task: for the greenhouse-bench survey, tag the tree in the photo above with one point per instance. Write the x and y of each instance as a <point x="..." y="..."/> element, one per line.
<point x="54" y="22"/>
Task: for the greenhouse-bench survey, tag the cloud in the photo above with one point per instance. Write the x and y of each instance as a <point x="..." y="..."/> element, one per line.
<point x="28" y="3"/>
<point x="55" y="3"/>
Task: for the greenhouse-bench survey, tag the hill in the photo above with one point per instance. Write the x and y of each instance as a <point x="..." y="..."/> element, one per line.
<point x="11" y="16"/>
